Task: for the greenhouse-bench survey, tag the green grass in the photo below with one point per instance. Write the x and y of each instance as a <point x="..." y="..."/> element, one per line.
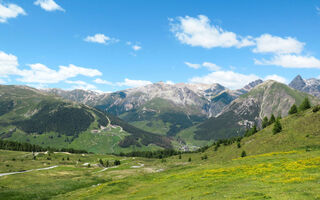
<point x="277" y="166"/>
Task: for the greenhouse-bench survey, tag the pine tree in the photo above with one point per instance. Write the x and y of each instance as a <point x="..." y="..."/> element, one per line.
<point x="305" y="104"/>
<point x="277" y="127"/>
<point x="101" y="162"/>
<point x="272" y="119"/>
<point x="189" y="160"/>
<point x="293" y="109"/>
<point x="265" y="122"/>
<point x="243" y="154"/>
<point x="239" y="145"/>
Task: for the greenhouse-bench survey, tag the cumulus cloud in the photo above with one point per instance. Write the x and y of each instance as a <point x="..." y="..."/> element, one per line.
<point x="101" y="39"/>
<point x="170" y="82"/>
<point x="127" y="82"/>
<point x="229" y="79"/>
<point x="133" y="83"/>
<point x="291" y="61"/>
<point x="191" y="65"/>
<point x="39" y="73"/>
<point x="100" y="81"/>
<point x="276" y="78"/>
<point x="81" y="85"/>
<point x="48" y="5"/>
<point x="210" y="66"/>
<point x="8" y="11"/>
<point x="199" y="32"/>
<point x="267" y="43"/>
<point x="136" y="47"/>
<point x="8" y="64"/>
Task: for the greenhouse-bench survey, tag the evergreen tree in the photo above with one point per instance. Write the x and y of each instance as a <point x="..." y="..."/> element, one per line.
<point x="189" y="160"/>
<point x="277" y="127"/>
<point x="272" y="119"/>
<point x="293" y="109"/>
<point x="265" y="122"/>
<point x="101" y="162"/>
<point x="243" y="154"/>
<point x="239" y="145"/>
<point x="305" y="104"/>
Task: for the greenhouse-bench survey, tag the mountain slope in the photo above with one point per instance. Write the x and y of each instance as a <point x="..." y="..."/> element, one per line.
<point x="161" y="108"/>
<point x="265" y="99"/>
<point x="30" y="115"/>
<point x="310" y="86"/>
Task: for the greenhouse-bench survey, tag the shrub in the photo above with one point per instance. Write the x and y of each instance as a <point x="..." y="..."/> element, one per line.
<point x="239" y="145"/>
<point x="316" y="108"/>
<point x="189" y="160"/>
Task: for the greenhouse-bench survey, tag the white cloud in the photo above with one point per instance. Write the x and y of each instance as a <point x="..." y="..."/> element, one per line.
<point x="39" y="73"/>
<point x="2" y="81"/>
<point x="133" y="83"/>
<point x="48" y="5"/>
<point x="81" y="85"/>
<point x="100" y="81"/>
<point x="276" y="78"/>
<point x="8" y="64"/>
<point x="170" y="82"/>
<point x="267" y="43"/>
<point x="211" y="66"/>
<point x="229" y="79"/>
<point x="199" y="32"/>
<point x="291" y="61"/>
<point x="191" y="65"/>
<point x="136" y="47"/>
<point x="100" y="38"/>
<point x="10" y="11"/>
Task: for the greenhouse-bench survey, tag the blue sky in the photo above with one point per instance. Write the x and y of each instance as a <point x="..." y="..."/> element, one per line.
<point x="113" y="45"/>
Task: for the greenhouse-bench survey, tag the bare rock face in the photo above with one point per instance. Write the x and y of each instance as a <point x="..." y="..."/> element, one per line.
<point x="310" y="86"/>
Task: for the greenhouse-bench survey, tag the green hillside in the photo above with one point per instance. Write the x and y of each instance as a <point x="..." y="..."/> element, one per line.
<point x="29" y="115"/>
<point x="276" y="166"/>
<point x="267" y="98"/>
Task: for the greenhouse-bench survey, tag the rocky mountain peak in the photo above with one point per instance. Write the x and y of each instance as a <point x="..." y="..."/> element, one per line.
<point x="298" y="83"/>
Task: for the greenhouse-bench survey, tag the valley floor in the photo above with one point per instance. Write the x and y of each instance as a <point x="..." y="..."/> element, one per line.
<point x="278" y="175"/>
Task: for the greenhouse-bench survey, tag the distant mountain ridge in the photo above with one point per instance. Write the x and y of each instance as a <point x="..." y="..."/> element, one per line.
<point x="31" y="115"/>
<point x="310" y="86"/>
<point x="268" y="98"/>
<point x="160" y="107"/>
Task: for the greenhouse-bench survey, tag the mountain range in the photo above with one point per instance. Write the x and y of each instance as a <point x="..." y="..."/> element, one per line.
<point x="155" y="116"/>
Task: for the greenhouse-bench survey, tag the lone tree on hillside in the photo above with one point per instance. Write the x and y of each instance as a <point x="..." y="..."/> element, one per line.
<point x="277" y="127"/>
<point x="293" y="109"/>
<point x="265" y="122"/>
<point x="243" y="154"/>
<point x="272" y="119"/>
<point x="305" y="104"/>
<point x="189" y="160"/>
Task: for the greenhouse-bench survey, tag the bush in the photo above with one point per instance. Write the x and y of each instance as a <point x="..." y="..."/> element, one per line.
<point x="293" y="109"/>
<point x="316" y="108"/>
<point x="189" y="160"/>
<point x="117" y="162"/>
<point x="239" y="145"/>
<point x="277" y="128"/>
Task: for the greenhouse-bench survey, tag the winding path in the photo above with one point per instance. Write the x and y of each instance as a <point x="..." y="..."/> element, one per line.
<point x="30" y="170"/>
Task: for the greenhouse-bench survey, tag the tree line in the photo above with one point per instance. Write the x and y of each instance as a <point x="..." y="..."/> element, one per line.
<point x="18" y="146"/>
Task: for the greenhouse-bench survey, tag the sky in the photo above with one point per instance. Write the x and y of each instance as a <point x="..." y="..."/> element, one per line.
<point x="117" y="44"/>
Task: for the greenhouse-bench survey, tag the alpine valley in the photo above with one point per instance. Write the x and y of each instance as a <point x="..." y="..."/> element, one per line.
<point x="153" y="117"/>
